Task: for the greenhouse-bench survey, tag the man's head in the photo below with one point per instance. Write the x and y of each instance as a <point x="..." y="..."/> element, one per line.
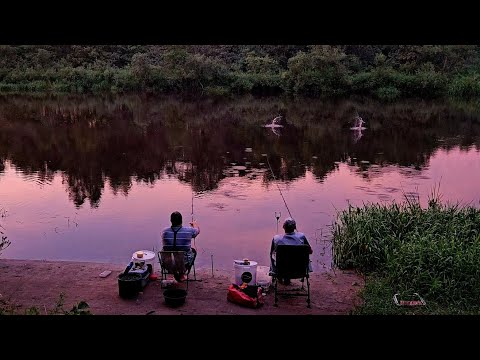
<point x="176" y="218"/>
<point x="289" y="225"/>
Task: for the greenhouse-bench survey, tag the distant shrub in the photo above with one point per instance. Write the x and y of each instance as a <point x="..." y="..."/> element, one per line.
<point x="388" y="93"/>
<point x="465" y="86"/>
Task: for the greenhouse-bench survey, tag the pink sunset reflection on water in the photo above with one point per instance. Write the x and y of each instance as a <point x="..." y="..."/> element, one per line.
<point x="237" y="219"/>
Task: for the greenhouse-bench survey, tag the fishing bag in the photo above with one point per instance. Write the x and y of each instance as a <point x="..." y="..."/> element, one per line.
<point x="251" y="296"/>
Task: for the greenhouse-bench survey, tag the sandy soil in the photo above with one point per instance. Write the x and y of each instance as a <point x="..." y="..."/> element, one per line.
<point x="27" y="283"/>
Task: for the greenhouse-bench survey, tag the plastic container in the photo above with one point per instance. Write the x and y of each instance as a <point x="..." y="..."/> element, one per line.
<point x="148" y="257"/>
<point x="129" y="285"/>
<point x="245" y="272"/>
<point x="174" y="297"/>
<point x="263" y="279"/>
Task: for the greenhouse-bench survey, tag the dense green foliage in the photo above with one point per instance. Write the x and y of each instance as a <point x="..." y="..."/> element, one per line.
<point x="434" y="251"/>
<point x="384" y="71"/>
<point x="10" y="308"/>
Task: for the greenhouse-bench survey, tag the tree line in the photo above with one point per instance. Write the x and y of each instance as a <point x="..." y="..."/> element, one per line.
<point x="387" y="72"/>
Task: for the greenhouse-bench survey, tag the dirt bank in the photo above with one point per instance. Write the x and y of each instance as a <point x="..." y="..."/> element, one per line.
<point x="27" y="283"/>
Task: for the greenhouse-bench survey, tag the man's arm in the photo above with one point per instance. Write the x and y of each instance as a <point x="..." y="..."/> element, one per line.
<point x="196" y="227"/>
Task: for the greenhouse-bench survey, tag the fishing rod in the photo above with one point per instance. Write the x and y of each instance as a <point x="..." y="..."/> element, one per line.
<point x="278" y="187"/>
<point x="194" y="244"/>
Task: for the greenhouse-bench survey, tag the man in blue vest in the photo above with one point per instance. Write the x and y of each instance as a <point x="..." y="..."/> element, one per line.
<point x="179" y="238"/>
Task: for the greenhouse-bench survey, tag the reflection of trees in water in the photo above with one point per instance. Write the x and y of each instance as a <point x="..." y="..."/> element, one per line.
<point x="120" y="140"/>
<point x="81" y="188"/>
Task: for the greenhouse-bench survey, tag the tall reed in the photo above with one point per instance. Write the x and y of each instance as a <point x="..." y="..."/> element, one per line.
<point x="434" y="251"/>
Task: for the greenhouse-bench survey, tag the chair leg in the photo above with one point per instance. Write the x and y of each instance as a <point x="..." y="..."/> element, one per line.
<point x="193" y="264"/>
<point x="276" y="296"/>
<point x="308" y="295"/>
<point x="162" y="277"/>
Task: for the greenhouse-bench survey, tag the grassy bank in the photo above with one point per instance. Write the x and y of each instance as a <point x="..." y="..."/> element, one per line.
<point x="82" y="308"/>
<point x="404" y="248"/>
<point x="388" y="72"/>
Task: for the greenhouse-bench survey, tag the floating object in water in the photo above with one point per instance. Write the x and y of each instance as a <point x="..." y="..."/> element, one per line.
<point x="274" y="123"/>
<point x="259" y="170"/>
<point x="358" y="124"/>
<point x="230" y="172"/>
<point x="248" y="149"/>
<point x="364" y="162"/>
<point x="314" y="157"/>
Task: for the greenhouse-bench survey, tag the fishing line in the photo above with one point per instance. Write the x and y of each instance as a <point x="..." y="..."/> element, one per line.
<point x="278" y="187"/>
<point x="192" y="203"/>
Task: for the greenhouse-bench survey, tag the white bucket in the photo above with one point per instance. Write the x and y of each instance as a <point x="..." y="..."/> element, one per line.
<point x="148" y="257"/>
<point x="249" y="271"/>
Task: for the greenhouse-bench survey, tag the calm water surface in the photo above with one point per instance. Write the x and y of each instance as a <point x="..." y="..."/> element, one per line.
<point x="96" y="178"/>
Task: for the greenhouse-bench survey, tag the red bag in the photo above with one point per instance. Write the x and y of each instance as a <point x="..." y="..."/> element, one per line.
<point x="239" y="296"/>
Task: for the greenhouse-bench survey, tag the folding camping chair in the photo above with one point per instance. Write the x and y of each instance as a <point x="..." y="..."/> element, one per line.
<point x="173" y="262"/>
<point x="292" y="263"/>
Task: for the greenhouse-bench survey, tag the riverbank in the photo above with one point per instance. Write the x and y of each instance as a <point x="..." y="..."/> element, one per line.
<point x="406" y="249"/>
<point x="38" y="283"/>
